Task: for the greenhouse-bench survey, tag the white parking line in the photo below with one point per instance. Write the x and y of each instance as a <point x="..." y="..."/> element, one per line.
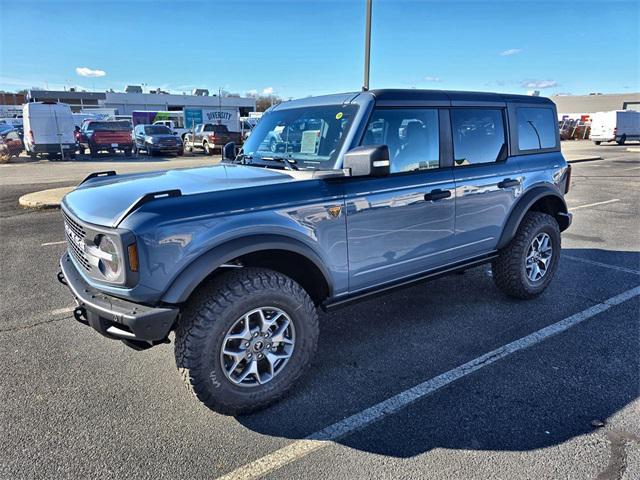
<point x="53" y="243"/>
<point x="600" y="264"/>
<point x="343" y="428"/>
<point x="60" y="311"/>
<point x="613" y="200"/>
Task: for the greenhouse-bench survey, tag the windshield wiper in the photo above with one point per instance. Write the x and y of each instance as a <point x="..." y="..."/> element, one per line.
<point x="288" y="163"/>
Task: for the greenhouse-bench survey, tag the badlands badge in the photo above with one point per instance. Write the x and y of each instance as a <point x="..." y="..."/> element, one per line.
<point x="334" y="211"/>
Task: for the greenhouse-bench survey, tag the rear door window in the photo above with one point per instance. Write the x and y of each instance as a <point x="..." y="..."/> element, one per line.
<point x="536" y="128"/>
<point x="478" y="135"/>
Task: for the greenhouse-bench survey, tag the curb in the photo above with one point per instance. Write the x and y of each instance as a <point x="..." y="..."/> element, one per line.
<point x="44" y="199"/>
<point x="584" y="159"/>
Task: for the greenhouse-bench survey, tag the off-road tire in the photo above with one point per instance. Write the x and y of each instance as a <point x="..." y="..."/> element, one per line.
<point x="509" y="272"/>
<point x="213" y="309"/>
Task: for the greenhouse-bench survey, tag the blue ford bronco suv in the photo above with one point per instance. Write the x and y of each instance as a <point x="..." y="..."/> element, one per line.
<point x="358" y="194"/>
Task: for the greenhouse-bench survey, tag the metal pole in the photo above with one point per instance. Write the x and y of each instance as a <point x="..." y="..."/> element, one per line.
<point x="367" y="47"/>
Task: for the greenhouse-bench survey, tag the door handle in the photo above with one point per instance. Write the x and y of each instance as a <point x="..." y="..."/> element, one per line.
<point x="437" y="195"/>
<point x="508" y="182"/>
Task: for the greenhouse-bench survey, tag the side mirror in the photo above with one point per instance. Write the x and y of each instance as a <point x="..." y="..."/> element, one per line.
<point x="368" y="161"/>
<point x="229" y="151"/>
<point x="175" y="133"/>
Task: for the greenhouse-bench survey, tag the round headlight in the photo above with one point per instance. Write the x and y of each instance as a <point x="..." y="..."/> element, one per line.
<point x="109" y="263"/>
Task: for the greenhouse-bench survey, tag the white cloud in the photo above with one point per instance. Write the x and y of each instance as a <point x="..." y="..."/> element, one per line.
<point x="431" y="78"/>
<point x="511" y="51"/>
<point x="539" y="84"/>
<point x="88" y="72"/>
<point x="268" y="91"/>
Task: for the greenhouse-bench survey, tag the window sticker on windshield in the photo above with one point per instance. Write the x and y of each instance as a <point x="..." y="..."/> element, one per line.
<point x="310" y="140"/>
<point x="338" y="115"/>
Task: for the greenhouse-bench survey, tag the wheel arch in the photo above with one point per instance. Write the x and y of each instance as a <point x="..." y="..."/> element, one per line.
<point x="282" y="254"/>
<point x="539" y="199"/>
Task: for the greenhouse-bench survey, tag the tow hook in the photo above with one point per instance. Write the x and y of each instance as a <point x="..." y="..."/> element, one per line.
<point x="80" y="315"/>
<point x="61" y="279"/>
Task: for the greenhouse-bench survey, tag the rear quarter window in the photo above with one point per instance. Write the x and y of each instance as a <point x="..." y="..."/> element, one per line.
<point x="536" y="128"/>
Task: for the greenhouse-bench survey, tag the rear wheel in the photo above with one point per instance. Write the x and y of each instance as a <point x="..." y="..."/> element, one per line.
<point x="93" y="152"/>
<point x="526" y="266"/>
<point x="207" y="149"/>
<point x="621" y="140"/>
<point x="245" y="339"/>
<point x="127" y="152"/>
<point x="598" y="142"/>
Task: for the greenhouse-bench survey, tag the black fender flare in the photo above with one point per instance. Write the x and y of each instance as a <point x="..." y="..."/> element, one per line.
<point x="191" y="276"/>
<point x="524" y="204"/>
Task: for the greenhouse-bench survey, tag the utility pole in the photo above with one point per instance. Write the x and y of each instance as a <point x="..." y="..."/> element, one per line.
<point x="367" y="47"/>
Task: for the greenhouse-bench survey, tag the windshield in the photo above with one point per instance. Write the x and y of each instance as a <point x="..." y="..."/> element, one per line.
<point x="309" y="136"/>
<point x="157" y="130"/>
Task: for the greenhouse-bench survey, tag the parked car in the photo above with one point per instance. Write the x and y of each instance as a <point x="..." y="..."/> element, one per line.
<point x="48" y="129"/>
<point x="175" y="129"/>
<point x="5" y="156"/>
<point x="237" y="258"/>
<point x="156" y="139"/>
<point x="209" y="137"/>
<point x="11" y="138"/>
<point x="105" y="135"/>
<point x="618" y="126"/>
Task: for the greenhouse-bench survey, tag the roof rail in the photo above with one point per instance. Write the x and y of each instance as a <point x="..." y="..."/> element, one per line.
<point x="108" y="173"/>
<point x="146" y="198"/>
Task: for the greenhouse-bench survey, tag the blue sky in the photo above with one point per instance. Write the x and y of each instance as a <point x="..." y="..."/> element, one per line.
<point x="300" y="48"/>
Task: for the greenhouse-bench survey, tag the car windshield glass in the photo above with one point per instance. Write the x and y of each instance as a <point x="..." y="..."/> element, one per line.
<point x="111" y="126"/>
<point x="309" y="136"/>
<point x="157" y="130"/>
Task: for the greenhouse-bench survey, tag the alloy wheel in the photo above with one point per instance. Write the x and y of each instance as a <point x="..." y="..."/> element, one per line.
<point x="538" y="257"/>
<point x="257" y="347"/>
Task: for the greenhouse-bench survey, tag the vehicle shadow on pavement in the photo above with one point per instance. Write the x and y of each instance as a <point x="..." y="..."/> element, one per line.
<point x="535" y="398"/>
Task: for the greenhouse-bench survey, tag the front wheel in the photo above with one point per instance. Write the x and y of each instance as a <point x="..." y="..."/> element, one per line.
<point x="245" y="338"/>
<point x="597" y="142"/>
<point x="526" y="266"/>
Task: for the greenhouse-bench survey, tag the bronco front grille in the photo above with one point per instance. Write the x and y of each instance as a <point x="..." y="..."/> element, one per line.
<point x="74" y="229"/>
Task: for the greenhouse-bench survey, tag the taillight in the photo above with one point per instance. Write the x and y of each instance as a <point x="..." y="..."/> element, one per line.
<point x="212" y="137"/>
<point x="567" y="184"/>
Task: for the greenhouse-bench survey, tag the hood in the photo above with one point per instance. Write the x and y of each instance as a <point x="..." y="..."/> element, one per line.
<point x="163" y="136"/>
<point x="103" y="200"/>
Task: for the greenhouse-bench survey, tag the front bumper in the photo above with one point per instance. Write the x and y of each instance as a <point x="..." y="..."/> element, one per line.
<point x="139" y="326"/>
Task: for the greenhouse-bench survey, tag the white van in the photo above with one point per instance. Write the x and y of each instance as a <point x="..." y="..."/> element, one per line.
<point x="48" y="129"/>
<point x="621" y="125"/>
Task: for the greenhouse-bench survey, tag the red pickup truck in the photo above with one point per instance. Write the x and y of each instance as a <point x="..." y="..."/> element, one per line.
<point x="103" y="135"/>
<point x="209" y="137"/>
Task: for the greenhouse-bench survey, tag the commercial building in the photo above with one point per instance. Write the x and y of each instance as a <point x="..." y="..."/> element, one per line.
<point x="124" y="103"/>
<point x="576" y="106"/>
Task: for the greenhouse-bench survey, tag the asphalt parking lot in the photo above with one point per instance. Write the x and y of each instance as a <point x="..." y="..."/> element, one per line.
<point x="507" y="389"/>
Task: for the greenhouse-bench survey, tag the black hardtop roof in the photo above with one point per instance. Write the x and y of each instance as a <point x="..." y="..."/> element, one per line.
<point x="396" y="94"/>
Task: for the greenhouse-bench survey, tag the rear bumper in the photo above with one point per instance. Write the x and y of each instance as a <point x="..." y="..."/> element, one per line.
<point x="52" y="147"/>
<point x="139" y="326"/>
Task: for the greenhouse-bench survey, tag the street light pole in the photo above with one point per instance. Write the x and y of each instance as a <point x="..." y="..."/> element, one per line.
<point x="367" y="47"/>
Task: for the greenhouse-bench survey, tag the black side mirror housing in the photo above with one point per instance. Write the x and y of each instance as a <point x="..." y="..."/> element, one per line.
<point x="229" y="151"/>
<point x="368" y="161"/>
